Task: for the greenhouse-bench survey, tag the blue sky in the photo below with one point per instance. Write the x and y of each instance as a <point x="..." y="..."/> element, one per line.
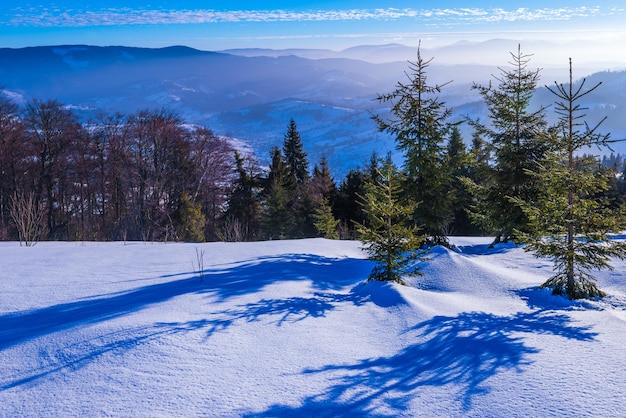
<point x="212" y="25"/>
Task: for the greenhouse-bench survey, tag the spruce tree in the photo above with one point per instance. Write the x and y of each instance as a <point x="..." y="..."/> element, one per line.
<point x="457" y="164"/>
<point x="192" y="221"/>
<point x="419" y="126"/>
<point x="295" y="157"/>
<point x="346" y="206"/>
<point x="570" y="219"/>
<point x="323" y="193"/>
<point x="390" y="242"/>
<point x="322" y="184"/>
<point x="514" y="133"/>
<point x="301" y="206"/>
<point x="278" y="190"/>
<point x="325" y="223"/>
<point x="243" y="210"/>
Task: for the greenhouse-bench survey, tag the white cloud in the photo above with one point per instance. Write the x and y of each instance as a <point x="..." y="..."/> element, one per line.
<point x="47" y="17"/>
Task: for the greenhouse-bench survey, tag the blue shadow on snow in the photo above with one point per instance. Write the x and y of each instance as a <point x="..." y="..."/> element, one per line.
<point x="222" y="282"/>
<point x="462" y="351"/>
<point x="295" y="309"/>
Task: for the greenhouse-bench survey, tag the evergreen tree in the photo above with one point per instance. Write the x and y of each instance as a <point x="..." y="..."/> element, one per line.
<point x="458" y="162"/>
<point x="325" y="223"/>
<point x="243" y="213"/>
<point x="295" y="158"/>
<point x="570" y="220"/>
<point x="191" y="228"/>
<point x="322" y="185"/>
<point x="301" y="206"/>
<point x="514" y="133"/>
<point x="480" y="154"/>
<point x="475" y="181"/>
<point x="323" y="193"/>
<point x="346" y="206"/>
<point x="419" y="127"/>
<point x="279" y="187"/>
<point x="395" y="247"/>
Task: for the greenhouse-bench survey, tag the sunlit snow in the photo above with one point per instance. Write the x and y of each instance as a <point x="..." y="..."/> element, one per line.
<point x="292" y="328"/>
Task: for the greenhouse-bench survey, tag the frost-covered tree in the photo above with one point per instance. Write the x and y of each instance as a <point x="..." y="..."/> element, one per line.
<point x="390" y="241"/>
<point x="571" y="219"/>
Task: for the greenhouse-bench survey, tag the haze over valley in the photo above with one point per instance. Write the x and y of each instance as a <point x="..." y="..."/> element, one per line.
<point x="251" y="93"/>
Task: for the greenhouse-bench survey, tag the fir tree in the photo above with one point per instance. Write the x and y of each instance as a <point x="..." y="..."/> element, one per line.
<point x="322" y="184"/>
<point x="243" y="211"/>
<point x="346" y="206"/>
<point x="419" y="125"/>
<point x="325" y="223"/>
<point x="514" y="133"/>
<point x="192" y="221"/>
<point x="301" y="206"/>
<point x="279" y="187"/>
<point x="295" y="158"/>
<point x="323" y="193"/>
<point x="458" y="163"/>
<point x="395" y="247"/>
<point x="570" y="220"/>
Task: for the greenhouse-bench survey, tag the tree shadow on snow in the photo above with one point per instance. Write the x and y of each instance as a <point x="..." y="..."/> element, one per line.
<point x="485" y="249"/>
<point x="461" y="352"/>
<point x="72" y="357"/>
<point x="233" y="280"/>
<point x="296" y="309"/>
<point x="286" y="310"/>
<point x="76" y="355"/>
<point x="543" y="299"/>
<point x="221" y="282"/>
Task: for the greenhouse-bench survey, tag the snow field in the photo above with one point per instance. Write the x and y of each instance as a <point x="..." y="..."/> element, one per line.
<point x="291" y="328"/>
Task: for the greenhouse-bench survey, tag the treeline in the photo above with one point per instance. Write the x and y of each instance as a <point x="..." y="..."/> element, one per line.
<point x="149" y="176"/>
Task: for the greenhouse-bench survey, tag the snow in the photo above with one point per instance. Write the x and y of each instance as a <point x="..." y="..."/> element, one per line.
<point x="291" y="328"/>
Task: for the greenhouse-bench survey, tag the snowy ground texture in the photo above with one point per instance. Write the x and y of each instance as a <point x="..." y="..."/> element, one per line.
<point x="291" y="328"/>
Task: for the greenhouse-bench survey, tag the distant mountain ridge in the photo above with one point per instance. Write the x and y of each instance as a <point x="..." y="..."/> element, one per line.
<point x="252" y="94"/>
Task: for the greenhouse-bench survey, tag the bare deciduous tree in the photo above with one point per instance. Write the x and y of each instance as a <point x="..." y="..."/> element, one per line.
<point x="28" y="215"/>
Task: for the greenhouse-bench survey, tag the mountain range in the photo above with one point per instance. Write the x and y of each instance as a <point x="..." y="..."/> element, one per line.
<point x="252" y="94"/>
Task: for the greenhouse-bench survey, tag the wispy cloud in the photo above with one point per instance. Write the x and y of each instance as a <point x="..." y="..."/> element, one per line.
<point x="51" y="17"/>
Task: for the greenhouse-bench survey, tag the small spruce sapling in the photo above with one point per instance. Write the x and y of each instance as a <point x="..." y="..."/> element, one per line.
<point x="388" y="235"/>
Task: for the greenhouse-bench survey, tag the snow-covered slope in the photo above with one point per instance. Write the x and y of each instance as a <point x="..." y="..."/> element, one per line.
<point x="291" y="328"/>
